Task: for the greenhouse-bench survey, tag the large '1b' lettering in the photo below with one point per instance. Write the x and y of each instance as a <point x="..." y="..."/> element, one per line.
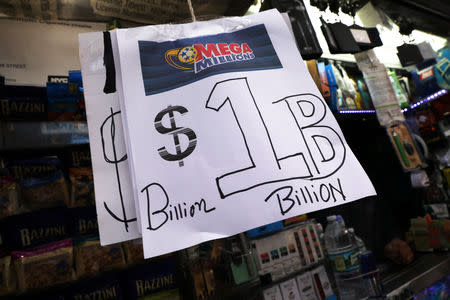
<point x="323" y="150"/>
<point x="324" y="146"/>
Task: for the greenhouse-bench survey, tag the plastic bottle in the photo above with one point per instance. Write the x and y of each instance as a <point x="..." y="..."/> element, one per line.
<point x="358" y="241"/>
<point x="371" y="276"/>
<point x="344" y="256"/>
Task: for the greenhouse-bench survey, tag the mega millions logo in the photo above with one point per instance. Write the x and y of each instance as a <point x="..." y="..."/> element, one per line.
<point x="199" y="57"/>
<point x="172" y="64"/>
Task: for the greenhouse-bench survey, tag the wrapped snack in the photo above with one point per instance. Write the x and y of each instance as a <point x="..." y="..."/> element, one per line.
<point x="42" y="182"/>
<point x="7" y="278"/>
<point x="82" y="182"/>
<point x="134" y="251"/>
<point x="35" y="228"/>
<point x="9" y="198"/>
<point x="44" y="192"/>
<point x="84" y="221"/>
<point x="91" y="258"/>
<point x="23" y="103"/>
<point x="44" y="266"/>
<point x="106" y="287"/>
<point x="154" y="280"/>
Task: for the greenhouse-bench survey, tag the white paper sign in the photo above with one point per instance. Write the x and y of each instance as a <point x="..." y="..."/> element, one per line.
<point x="113" y="187"/>
<point x="227" y="131"/>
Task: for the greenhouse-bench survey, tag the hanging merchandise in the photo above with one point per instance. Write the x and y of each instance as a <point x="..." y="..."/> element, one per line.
<point x="380" y="87"/>
<point x="399" y="92"/>
<point x="166" y="71"/>
<point x="329" y="37"/>
<point x="324" y="84"/>
<point x="335" y="101"/>
<point x="364" y="91"/>
<point x="425" y="81"/>
<point x="366" y="38"/>
<point x="314" y="72"/>
<point x="349" y="90"/>
<point x="409" y="54"/>
<point x="320" y="4"/>
<point x="339" y="38"/>
<point x="341" y="92"/>
<point x="302" y="27"/>
<point x="442" y="68"/>
<point x="404" y="145"/>
<point x="358" y="98"/>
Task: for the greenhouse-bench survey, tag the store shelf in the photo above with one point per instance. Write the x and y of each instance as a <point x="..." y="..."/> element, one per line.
<point x="404" y="282"/>
<point x="34" y="135"/>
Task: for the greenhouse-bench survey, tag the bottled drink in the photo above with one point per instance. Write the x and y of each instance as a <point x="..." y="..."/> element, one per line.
<point x="371" y="276"/>
<point x="340" y="220"/>
<point x="357" y="241"/>
<point x="344" y="256"/>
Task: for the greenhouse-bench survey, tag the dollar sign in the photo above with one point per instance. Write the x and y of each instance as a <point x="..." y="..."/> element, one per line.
<point x="175" y="131"/>
<point x="116" y="159"/>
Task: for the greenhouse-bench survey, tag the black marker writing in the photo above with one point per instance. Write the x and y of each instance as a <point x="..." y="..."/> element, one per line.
<point x="320" y="157"/>
<point x="158" y="217"/>
<point x="111" y="133"/>
<point x="288" y="196"/>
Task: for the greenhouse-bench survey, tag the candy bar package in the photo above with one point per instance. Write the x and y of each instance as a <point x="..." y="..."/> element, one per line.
<point x="35" y="228"/>
<point x="9" y="196"/>
<point x="134" y="251"/>
<point x="23" y="103"/>
<point x="7" y="277"/>
<point x="84" y="221"/>
<point x="106" y="288"/>
<point x="44" y="266"/>
<point x="41" y="181"/>
<point x="91" y="258"/>
<point x="155" y="280"/>
<point x="82" y="182"/>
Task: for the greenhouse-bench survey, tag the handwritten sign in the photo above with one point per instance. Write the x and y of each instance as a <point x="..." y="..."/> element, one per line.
<point x="113" y="187"/>
<point x="227" y="131"/>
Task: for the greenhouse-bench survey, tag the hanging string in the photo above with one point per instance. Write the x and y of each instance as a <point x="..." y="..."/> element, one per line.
<point x="191" y="10"/>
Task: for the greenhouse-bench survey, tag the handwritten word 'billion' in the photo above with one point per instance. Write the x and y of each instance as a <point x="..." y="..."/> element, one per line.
<point x="288" y="197"/>
<point x="170" y="212"/>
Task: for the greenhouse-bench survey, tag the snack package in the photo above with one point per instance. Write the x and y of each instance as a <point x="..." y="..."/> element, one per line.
<point x="41" y="181"/>
<point x="44" y="266"/>
<point x="134" y="251"/>
<point x="35" y="228"/>
<point x="82" y="181"/>
<point x="91" y="258"/>
<point x="105" y="288"/>
<point x="44" y="192"/>
<point x="9" y="196"/>
<point x="84" y="221"/>
<point x="7" y="278"/>
<point x="155" y="280"/>
<point x="23" y="103"/>
<point x="79" y="157"/>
